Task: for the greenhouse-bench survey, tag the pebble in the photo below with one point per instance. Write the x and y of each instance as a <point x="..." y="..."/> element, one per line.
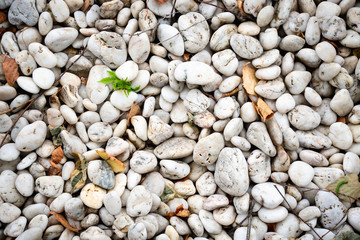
<point x="50" y="186"/>
<point x="143" y="162"/>
<point x="332" y="210"/>
<point x="42" y="55"/>
<point x="231" y="172"/>
<point x="207" y="149"/>
<point x="101" y="174"/>
<point x="31" y="136"/>
<point x="301" y="173"/>
<point x="92" y="195"/>
<point x="139" y="202"/>
<point x="194" y="73"/>
<point x="246" y="46"/>
<point x="174" y="148"/>
<point x="60" y="38"/>
<point x="24" y="183"/>
<point x="273" y="215"/>
<point x="23" y="12"/>
<point x="267" y="195"/>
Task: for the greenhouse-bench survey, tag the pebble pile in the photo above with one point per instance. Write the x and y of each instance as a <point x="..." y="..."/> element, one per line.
<point x="198" y="144"/>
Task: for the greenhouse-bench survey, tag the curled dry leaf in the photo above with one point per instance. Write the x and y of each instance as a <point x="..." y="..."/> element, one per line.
<point x="161" y="1"/>
<point x="168" y="193"/>
<point x="346" y="188"/>
<point x="134" y="110"/>
<point x="341" y="119"/>
<point x="115" y="164"/>
<point x="63" y="221"/>
<point x="54" y="170"/>
<point x="186" y="56"/>
<point x="180" y="212"/>
<point x="78" y="176"/>
<point x="57" y="155"/>
<point x="2" y="17"/>
<point x="86" y="5"/>
<point x="10" y="68"/>
<point x="241" y="7"/>
<point x="249" y="83"/>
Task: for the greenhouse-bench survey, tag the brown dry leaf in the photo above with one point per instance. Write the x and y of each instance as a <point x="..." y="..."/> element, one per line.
<point x="183" y="213"/>
<point x="161" y="1"/>
<point x="341" y="119"/>
<point x="7" y="29"/>
<point x="86" y="5"/>
<point x="134" y="110"/>
<point x="241" y="8"/>
<point x="264" y="110"/>
<point x="10" y="68"/>
<point x="2" y="17"/>
<point x="54" y="170"/>
<point x="249" y="79"/>
<point x="63" y="221"/>
<point x="83" y="80"/>
<point x="348" y="187"/>
<point x="230" y="93"/>
<point x="57" y="155"/>
<point x="115" y="164"/>
<point x="186" y="56"/>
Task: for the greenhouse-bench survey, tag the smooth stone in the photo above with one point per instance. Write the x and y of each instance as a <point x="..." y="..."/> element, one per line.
<point x="110" y="47"/>
<point x="267" y="195"/>
<point x="24" y="183"/>
<point x="340" y="135"/>
<point x="15" y="228"/>
<point x="92" y="195"/>
<point x="60" y="38"/>
<point x="174" y="148"/>
<point x="301" y="173"/>
<point x="304" y="118"/>
<point x="74" y="209"/>
<point x="100" y="132"/>
<point x="220" y="39"/>
<point x="42" y="55"/>
<point x="72" y="143"/>
<point x="31" y="136"/>
<point x="101" y="174"/>
<point x="139" y="202"/>
<point x="264" y="143"/>
<point x="50" y="186"/>
<point x="9" y="152"/>
<point x="121" y="101"/>
<point x="174" y="45"/>
<point x="128" y="70"/>
<point x="34" y="233"/>
<point x="28" y="84"/>
<point x="274" y="215"/>
<point x="231" y="172"/>
<point x="195" y="31"/>
<point x="354" y="217"/>
<point x="44" y="78"/>
<point x="332" y="210"/>
<point x="174" y="169"/>
<point x="9" y="212"/>
<point x="60" y="10"/>
<point x="194" y="72"/>
<point x="158" y="131"/>
<point x="207" y="149"/>
<point x="143" y="162"/>
<point x="23" y="11"/>
<point x="245" y="46"/>
<point x="139" y="47"/>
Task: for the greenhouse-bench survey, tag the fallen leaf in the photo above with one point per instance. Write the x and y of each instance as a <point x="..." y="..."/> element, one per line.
<point x="57" y="155"/>
<point x="341" y="119"/>
<point x="249" y="79"/>
<point x="86" y="5"/>
<point x="241" y="7"/>
<point x="78" y="176"/>
<point x="230" y="93"/>
<point x="63" y="221"/>
<point x="83" y="80"/>
<point x="264" y="110"/>
<point x="115" y="164"/>
<point x="10" y="68"/>
<point x="55" y="132"/>
<point x="180" y="212"/>
<point x="134" y="110"/>
<point x="54" y="170"/>
<point x="7" y="29"/>
<point x="356" y="52"/>
<point x="186" y="56"/>
<point x="346" y="188"/>
<point x="161" y="1"/>
<point x="2" y="17"/>
<point x="168" y="193"/>
<point x="348" y="236"/>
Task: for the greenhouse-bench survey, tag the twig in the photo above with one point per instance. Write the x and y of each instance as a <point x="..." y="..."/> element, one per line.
<point x="40" y="94"/>
<point x="251" y="206"/>
<point x="230" y="93"/>
<point x="345" y="214"/>
<point x="226" y="10"/>
<point x="291" y="210"/>
<point x="16" y="108"/>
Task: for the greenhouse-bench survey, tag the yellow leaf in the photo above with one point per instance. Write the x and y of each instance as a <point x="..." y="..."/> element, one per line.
<point x="347" y="188"/>
<point x="63" y="221"/>
<point x="115" y="164"/>
<point x="249" y="79"/>
<point x="264" y="110"/>
<point x="134" y="110"/>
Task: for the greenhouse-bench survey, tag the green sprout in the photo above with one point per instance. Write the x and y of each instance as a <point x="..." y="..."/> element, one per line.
<point x="119" y="84"/>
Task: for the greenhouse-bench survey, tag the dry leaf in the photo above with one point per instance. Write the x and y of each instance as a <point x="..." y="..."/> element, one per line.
<point x="241" y="7"/>
<point x="341" y="119"/>
<point x="2" y="17"/>
<point x="115" y="164"/>
<point x="168" y="193"/>
<point x="7" y="29"/>
<point x="186" y="56"/>
<point x="230" y="93"/>
<point x="348" y="187"/>
<point x="78" y="176"/>
<point x="86" y="5"/>
<point x="63" y="221"/>
<point x="348" y="236"/>
<point x="356" y="52"/>
<point x="161" y="1"/>
<point x="83" y="80"/>
<point x="134" y="110"/>
<point x="264" y="110"/>
<point x="249" y="79"/>
<point x="57" y="155"/>
<point x="180" y="212"/>
<point x="54" y="170"/>
<point x="10" y="68"/>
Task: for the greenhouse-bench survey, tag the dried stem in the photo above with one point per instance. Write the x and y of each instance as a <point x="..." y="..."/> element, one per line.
<point x="251" y="206"/>
<point x="31" y="101"/>
<point x="291" y="210"/>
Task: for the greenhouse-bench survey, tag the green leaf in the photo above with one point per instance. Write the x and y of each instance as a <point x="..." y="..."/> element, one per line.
<point x="346" y="188"/>
<point x="107" y="80"/>
<point x="76" y="179"/>
<point x="78" y="176"/>
<point x="55" y="132"/>
<point x="348" y="236"/>
<point x="168" y="194"/>
<point x="112" y="74"/>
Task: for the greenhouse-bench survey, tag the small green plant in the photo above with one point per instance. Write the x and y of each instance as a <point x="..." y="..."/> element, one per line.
<point x="119" y="84"/>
